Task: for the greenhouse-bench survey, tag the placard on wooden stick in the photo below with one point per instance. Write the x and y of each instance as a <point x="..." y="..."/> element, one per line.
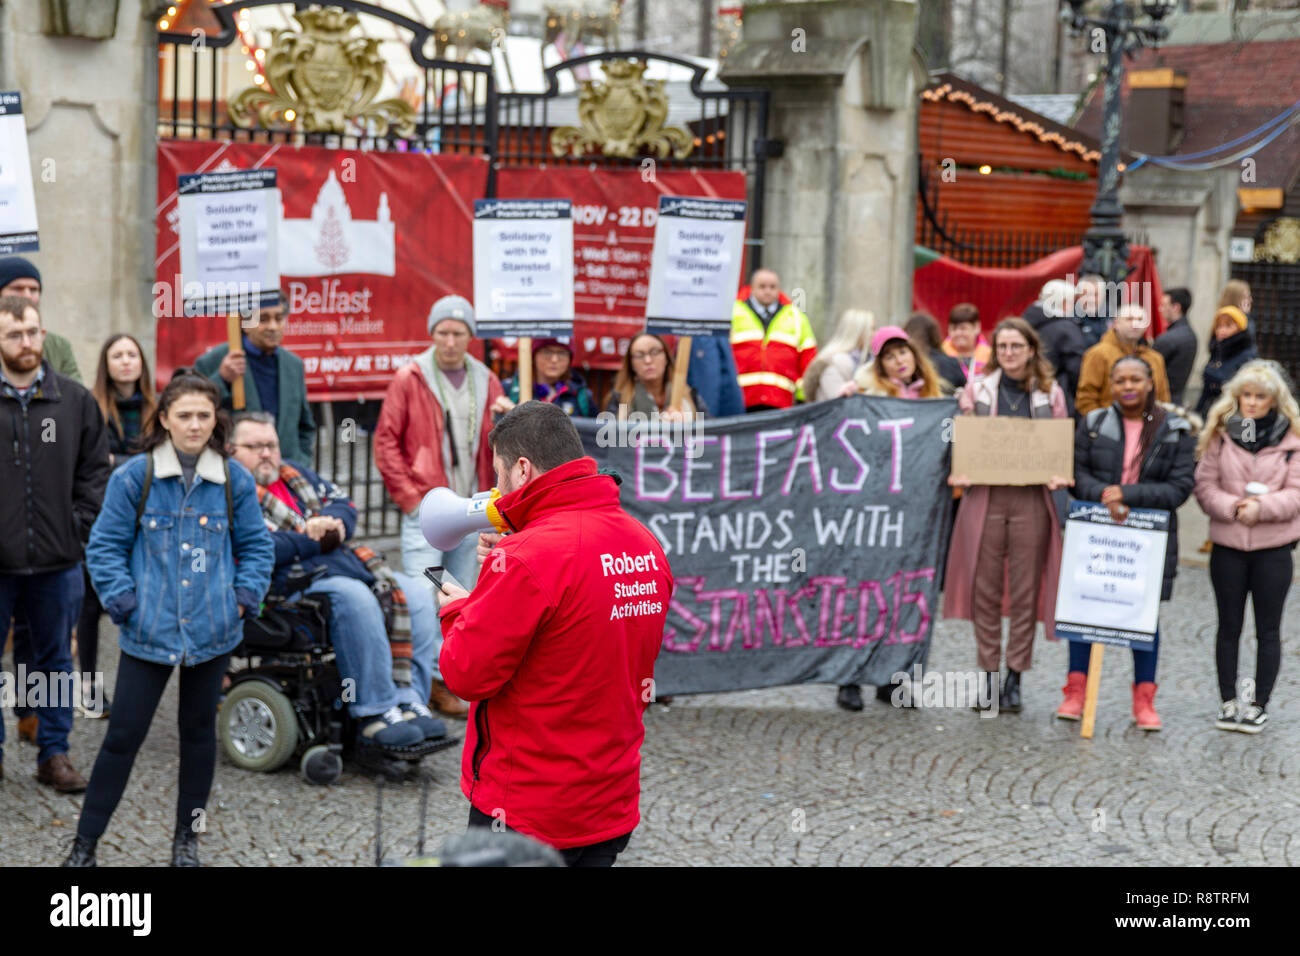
<point x="1002" y="450"/>
<point x="229" y="225"/>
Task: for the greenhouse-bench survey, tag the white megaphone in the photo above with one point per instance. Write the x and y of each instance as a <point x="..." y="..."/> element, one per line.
<point x="446" y="517"/>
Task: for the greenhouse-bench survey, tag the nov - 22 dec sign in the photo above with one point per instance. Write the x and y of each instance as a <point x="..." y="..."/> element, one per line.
<point x="805" y="544"/>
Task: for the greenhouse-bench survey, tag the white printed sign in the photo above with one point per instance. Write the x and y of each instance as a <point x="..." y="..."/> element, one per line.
<point x="523" y="267"/>
<point x="1111" y="575"/>
<point x="695" y="268"/>
<point x="17" y="198"/>
<point x="229" y="240"/>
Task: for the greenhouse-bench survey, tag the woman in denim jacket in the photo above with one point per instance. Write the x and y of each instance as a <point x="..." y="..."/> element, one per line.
<point x="177" y="575"/>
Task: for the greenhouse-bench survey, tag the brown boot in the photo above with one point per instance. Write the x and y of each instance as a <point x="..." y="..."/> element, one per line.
<point x="27" y="728"/>
<point x="445" y="702"/>
<point x="59" y="773"/>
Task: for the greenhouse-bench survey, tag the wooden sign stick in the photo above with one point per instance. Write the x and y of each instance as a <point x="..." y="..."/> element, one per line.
<point x="525" y="371"/>
<point x="1090" y="694"/>
<point x="681" y="364"/>
<point x="234" y="338"/>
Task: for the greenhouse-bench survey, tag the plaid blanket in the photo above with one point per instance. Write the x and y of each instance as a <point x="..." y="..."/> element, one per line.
<point x="392" y="600"/>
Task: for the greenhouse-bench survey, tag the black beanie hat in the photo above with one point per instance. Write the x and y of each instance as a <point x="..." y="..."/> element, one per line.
<point x="16" y="267"/>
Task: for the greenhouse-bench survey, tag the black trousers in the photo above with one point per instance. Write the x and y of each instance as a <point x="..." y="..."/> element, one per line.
<point x="140" y="686"/>
<point x="1266" y="577"/>
<point x="594" y="854"/>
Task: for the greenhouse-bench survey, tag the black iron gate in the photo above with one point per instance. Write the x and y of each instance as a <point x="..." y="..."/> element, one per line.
<point x="459" y="108"/>
<point x="1275" y="291"/>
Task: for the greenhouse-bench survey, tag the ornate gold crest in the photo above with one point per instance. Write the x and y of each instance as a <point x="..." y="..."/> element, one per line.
<point x="622" y="116"/>
<point x="1280" y="242"/>
<point x="321" y="78"/>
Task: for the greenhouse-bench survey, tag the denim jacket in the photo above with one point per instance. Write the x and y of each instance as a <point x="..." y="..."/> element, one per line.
<point x="174" y="583"/>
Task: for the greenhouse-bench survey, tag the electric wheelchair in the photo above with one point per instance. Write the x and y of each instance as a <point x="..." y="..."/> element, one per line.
<point x="285" y="698"/>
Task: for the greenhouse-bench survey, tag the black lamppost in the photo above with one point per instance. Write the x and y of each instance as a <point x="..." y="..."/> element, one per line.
<point x="1105" y="250"/>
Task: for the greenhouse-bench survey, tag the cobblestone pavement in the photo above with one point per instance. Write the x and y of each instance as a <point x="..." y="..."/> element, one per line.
<point x="781" y="776"/>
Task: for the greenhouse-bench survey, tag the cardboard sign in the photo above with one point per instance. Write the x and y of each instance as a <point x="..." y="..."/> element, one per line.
<point x="1002" y="450"/>
<point x="229" y="241"/>
<point x="1111" y="575"/>
<point x="695" y="267"/>
<point x="523" y="267"/>
<point x="17" y="199"/>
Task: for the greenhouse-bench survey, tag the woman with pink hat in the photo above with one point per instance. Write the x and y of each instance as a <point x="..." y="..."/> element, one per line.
<point x="898" y="370"/>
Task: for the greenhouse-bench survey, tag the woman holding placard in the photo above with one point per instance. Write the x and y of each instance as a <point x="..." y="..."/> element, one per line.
<point x="1006" y="542"/>
<point x="644" y="383"/>
<point x="1248" y="482"/>
<point x="1135" y="453"/>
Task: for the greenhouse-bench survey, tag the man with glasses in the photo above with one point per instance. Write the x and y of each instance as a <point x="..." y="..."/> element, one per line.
<point x="55" y="470"/>
<point x="274" y="379"/>
<point x="432" y="433"/>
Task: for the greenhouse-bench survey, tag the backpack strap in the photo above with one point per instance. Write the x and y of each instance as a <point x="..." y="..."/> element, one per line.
<point x="144" y="489"/>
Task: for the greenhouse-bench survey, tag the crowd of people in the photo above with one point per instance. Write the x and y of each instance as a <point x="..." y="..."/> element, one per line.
<point x="174" y="513"/>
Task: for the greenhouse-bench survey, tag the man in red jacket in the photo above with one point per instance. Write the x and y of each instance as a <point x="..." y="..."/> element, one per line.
<point x="556" y="647"/>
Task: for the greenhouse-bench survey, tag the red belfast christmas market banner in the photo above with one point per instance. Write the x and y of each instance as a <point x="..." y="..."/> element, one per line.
<point x="368" y="242"/>
<point x="614" y="212"/>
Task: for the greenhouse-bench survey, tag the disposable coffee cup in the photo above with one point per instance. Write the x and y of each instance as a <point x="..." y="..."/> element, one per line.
<point x="1256" y="488"/>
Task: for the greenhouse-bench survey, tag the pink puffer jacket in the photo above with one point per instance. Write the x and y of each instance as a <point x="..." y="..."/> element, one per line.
<point x="1221" y="479"/>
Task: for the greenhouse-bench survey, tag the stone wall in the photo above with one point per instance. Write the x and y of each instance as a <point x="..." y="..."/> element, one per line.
<point x="1188" y="219"/>
<point x="88" y="106"/>
<point x="840" y="203"/>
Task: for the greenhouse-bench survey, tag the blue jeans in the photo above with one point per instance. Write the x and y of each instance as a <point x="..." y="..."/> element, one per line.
<point x="418" y="554"/>
<point x="1144" y="662"/>
<point x="51" y="604"/>
<point x="361" y="642"/>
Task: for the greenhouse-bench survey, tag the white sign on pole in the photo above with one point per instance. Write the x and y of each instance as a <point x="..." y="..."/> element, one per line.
<point x="695" y="268"/>
<point x="17" y="198"/>
<point x="1111" y="575"/>
<point x="229" y="241"/>
<point x="523" y="267"/>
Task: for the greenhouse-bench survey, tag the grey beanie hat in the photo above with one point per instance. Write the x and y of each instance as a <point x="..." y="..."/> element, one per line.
<point x="453" y="307"/>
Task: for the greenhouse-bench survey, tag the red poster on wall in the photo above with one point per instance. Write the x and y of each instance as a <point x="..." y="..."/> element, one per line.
<point x="368" y="242"/>
<point x="614" y="212"/>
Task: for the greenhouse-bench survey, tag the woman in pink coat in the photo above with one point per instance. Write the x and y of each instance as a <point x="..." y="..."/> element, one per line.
<point x="1248" y="482"/>
<point x="1006" y="544"/>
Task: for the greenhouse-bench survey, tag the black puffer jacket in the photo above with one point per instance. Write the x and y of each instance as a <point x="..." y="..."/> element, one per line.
<point x="53" y="471"/>
<point x="1226" y="359"/>
<point x="1165" y="478"/>
<point x="1063" y="346"/>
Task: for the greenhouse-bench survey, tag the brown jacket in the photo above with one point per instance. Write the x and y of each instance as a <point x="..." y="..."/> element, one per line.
<point x="1094" y="373"/>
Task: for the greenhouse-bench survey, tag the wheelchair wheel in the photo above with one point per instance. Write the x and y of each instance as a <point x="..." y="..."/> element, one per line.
<point x="319" y="765"/>
<point x="257" y="726"/>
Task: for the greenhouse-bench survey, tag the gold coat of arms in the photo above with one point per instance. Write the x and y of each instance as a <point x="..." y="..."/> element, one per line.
<point x="323" y="77"/>
<point x="622" y="116"/>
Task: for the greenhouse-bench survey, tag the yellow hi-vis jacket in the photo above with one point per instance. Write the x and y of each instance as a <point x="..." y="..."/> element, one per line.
<point x="770" y="364"/>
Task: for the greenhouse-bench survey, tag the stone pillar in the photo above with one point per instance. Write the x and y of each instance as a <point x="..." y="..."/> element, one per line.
<point x="840" y="203"/>
<point x="1188" y="219"/>
<point x="89" y="106"/>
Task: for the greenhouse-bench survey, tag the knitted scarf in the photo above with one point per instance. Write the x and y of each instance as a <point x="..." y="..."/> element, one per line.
<point x="392" y="600"/>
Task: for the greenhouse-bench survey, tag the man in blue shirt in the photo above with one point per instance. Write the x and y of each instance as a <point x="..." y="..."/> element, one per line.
<point x="274" y="379"/>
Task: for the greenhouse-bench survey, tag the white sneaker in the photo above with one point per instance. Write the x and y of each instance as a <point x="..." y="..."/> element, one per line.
<point x="1229" y="715"/>
<point x="1253" y="719"/>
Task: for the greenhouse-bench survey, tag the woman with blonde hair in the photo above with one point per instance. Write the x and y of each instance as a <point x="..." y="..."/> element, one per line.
<point x="1248" y="483"/>
<point x="1236" y="293"/>
<point x="839" y="358"/>
<point x="1006" y="542"/>
<point x="899" y="369"/>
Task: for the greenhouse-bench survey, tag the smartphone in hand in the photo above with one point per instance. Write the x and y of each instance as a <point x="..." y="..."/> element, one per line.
<point x="438" y="575"/>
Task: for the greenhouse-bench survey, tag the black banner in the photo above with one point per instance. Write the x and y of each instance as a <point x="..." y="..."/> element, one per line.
<point x="806" y="544"/>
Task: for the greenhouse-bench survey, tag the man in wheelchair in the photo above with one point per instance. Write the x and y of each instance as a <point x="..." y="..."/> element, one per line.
<point x="382" y="623"/>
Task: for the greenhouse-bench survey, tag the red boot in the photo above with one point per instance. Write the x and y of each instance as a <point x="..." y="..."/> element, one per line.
<point x="1144" y="706"/>
<point x="1072" y="707"/>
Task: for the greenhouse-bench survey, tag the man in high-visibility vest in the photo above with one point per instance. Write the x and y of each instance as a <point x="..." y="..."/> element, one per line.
<point x="773" y="344"/>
